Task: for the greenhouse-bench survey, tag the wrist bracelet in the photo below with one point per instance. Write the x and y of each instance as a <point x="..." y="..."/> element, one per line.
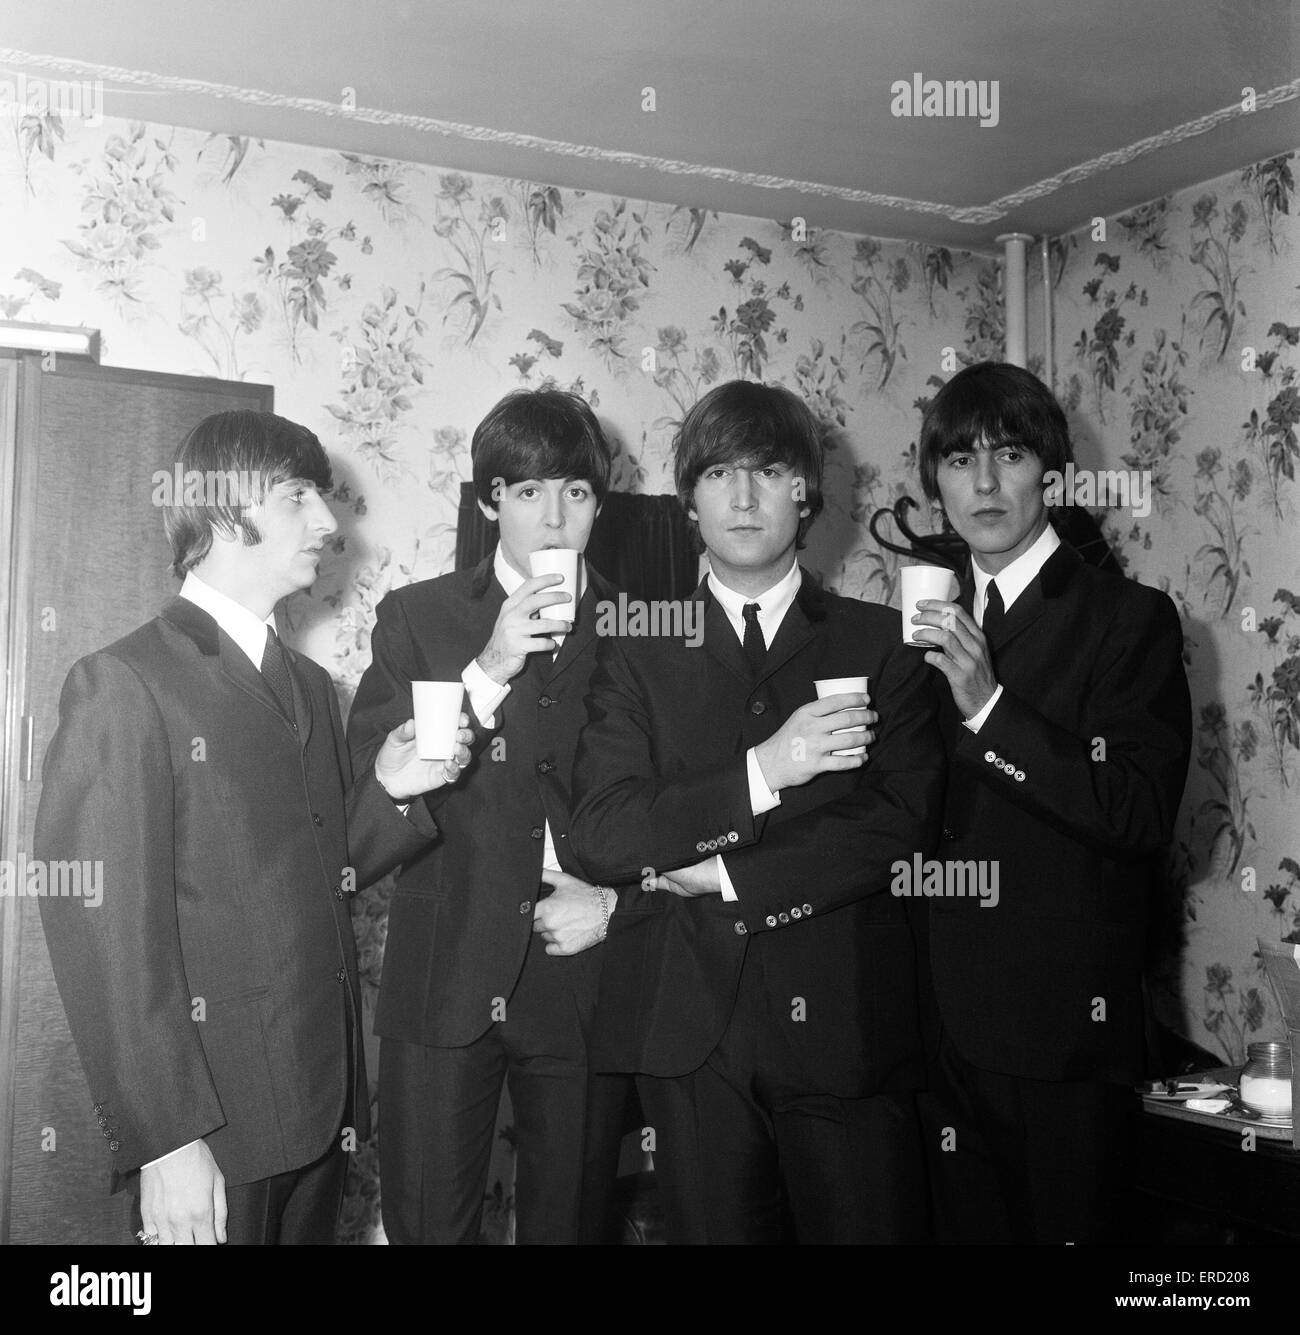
<point x="602" y="891"/>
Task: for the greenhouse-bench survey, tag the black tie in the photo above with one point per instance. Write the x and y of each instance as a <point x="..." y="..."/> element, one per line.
<point x="994" y="612"/>
<point x="276" y="671"/>
<point x="755" y="646"/>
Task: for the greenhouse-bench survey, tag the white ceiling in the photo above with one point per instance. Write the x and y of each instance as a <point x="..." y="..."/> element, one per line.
<point x="748" y="93"/>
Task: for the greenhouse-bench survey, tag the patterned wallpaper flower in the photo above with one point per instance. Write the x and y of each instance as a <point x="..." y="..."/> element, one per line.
<point x="392" y="304"/>
<point x="1184" y="366"/>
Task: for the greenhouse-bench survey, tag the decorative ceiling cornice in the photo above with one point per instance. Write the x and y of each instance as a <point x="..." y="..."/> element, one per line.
<point x="973" y="214"/>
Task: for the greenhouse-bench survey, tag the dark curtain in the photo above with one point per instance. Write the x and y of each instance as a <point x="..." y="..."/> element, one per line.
<point x="643" y="544"/>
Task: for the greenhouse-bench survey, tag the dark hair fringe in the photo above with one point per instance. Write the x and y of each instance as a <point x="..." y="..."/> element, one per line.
<point x="995" y="403"/>
<point x="539" y="433"/>
<point x="241" y="443"/>
<point x="744" y="420"/>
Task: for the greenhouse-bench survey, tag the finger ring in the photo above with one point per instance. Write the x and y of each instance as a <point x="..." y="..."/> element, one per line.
<point x="147" y="1239"/>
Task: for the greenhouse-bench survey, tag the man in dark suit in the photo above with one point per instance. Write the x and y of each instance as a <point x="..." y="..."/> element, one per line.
<point x="767" y="1002"/>
<point x="1068" y="725"/>
<point x="485" y="977"/>
<point x="213" y="994"/>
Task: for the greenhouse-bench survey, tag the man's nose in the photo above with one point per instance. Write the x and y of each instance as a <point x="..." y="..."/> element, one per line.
<point x="986" y="474"/>
<point x="324" y="521"/>
<point x="742" y="490"/>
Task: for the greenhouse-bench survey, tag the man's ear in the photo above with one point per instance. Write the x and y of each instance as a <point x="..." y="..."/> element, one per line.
<point x="488" y="510"/>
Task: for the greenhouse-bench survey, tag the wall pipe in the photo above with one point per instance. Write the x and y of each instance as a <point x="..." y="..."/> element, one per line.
<point x="1014" y="304"/>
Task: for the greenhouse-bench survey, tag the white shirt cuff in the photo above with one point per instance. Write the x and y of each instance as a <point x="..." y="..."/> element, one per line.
<point x="976" y="723"/>
<point x="162" y="1158"/>
<point x="728" y="890"/>
<point x="761" y="797"/>
<point x="485" y="695"/>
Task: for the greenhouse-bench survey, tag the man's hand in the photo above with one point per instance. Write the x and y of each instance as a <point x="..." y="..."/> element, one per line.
<point x="690" y="882"/>
<point x="961" y="653"/>
<point x="520" y="630"/>
<point x="802" y="747"/>
<point x="183" y="1198"/>
<point x="570" y="919"/>
<point x="402" y="773"/>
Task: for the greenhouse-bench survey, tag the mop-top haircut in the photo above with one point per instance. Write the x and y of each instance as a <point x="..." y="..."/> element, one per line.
<point x="259" y="449"/>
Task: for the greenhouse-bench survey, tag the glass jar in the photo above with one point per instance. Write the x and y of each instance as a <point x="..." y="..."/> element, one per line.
<point x="1266" y="1079"/>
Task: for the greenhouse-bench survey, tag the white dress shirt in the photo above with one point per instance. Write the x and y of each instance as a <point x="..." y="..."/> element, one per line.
<point x="1012" y="580"/>
<point x="486" y="696"/>
<point x="773" y="604"/>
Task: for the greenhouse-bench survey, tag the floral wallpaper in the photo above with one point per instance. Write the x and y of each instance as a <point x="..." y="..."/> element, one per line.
<point x="392" y="304"/>
<point x="1178" y="346"/>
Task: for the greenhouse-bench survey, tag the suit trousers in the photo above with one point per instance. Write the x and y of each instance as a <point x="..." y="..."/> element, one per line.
<point x="438" y="1114"/>
<point x="297" y="1208"/>
<point x="1028" y="1161"/>
<point x="749" y="1150"/>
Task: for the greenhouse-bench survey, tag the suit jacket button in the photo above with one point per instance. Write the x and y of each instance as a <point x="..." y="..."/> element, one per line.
<point x="338" y="892"/>
<point x="784" y="917"/>
<point x="341" y="976"/>
<point x="701" y="847"/>
<point x="796" y="913"/>
<point x="758" y="707"/>
<point x="545" y="701"/>
<point x="537" y="832"/>
<point x="712" y="846"/>
<point x="950" y="834"/>
<point x="990" y="756"/>
<point x="315" y="818"/>
<point x="99" y="1107"/>
<point x="739" y="928"/>
<point x="525" y="907"/>
<point x="544" y="767"/>
<point x="771" y="919"/>
<point x="807" y="908"/>
<point x="1020" y="776"/>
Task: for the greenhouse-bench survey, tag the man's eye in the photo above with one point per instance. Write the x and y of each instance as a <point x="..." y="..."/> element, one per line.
<point x="526" y="493"/>
<point x="578" y="493"/>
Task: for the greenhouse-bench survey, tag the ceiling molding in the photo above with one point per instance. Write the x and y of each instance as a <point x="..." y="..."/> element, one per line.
<point x="974" y="215"/>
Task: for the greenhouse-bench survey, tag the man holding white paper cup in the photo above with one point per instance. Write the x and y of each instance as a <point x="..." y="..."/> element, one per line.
<point x="1068" y="724"/>
<point x="759" y="977"/>
<point x="489" y="975"/>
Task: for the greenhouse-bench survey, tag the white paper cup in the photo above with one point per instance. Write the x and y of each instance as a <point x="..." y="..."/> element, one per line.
<point x="920" y="582"/>
<point x="437" y="717"/>
<point x="558" y="561"/>
<point x="842" y="686"/>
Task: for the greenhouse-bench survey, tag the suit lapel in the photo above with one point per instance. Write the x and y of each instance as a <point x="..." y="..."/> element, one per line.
<point x="301" y="696"/>
<point x="233" y="663"/>
<point x="584" y="625"/>
<point x="798" y="627"/>
<point x="721" y="642"/>
<point x="1047" y="584"/>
